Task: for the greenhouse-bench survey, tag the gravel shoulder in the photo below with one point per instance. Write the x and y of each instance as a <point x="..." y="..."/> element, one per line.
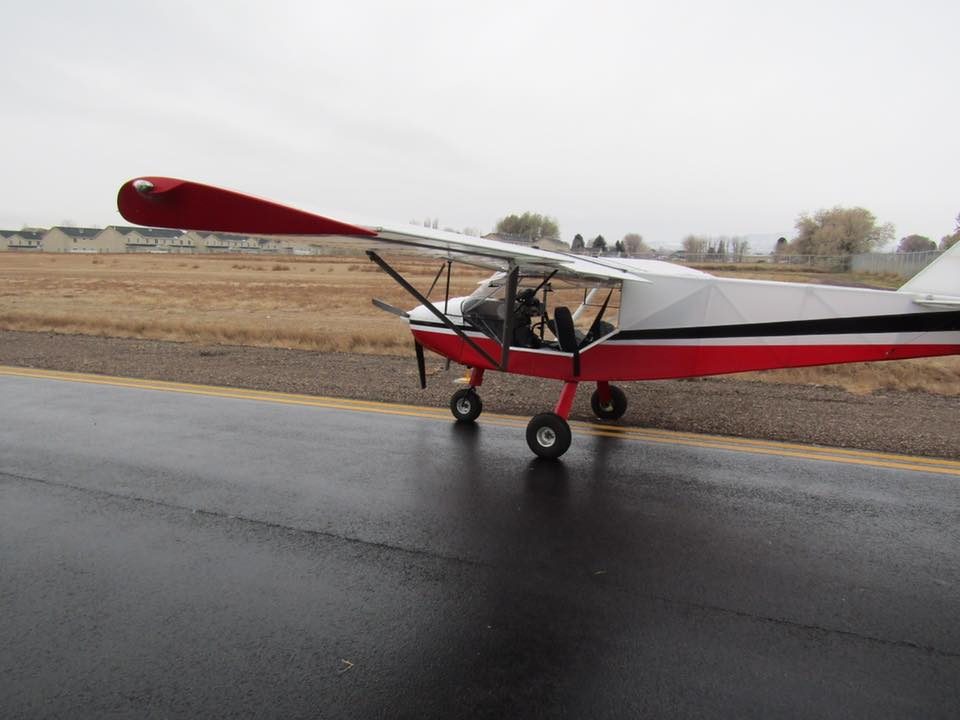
<point x="899" y="422"/>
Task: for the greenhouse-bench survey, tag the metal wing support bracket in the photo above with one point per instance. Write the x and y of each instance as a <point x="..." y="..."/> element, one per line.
<point x="511" y="300"/>
<point x="402" y="282"/>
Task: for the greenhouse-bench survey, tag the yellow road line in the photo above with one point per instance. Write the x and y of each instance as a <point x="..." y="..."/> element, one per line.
<point x="758" y="447"/>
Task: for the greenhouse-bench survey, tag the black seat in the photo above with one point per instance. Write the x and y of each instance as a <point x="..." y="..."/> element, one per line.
<point x="564" y="330"/>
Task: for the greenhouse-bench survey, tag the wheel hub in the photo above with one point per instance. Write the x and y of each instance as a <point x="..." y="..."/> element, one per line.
<point x="546" y="437"/>
<point x="464" y="406"/>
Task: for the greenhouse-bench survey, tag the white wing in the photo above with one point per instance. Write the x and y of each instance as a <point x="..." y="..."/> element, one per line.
<point x="173" y="203"/>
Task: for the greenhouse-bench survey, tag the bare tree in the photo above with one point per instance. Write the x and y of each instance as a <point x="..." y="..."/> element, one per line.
<point x="634" y="245"/>
<point x="739" y="247"/>
<point x="695" y="245"/>
<point x="948" y="241"/>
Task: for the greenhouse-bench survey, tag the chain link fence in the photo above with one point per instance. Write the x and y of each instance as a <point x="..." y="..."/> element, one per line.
<point x="903" y="264"/>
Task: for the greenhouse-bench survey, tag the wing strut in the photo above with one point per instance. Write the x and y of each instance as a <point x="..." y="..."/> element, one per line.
<point x="511" y="300"/>
<point x="436" y="277"/>
<point x="429" y="305"/>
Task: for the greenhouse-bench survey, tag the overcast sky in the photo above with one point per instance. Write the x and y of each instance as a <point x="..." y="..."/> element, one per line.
<point x="663" y="118"/>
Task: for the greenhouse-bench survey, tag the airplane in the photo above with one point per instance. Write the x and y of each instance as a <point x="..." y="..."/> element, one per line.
<point x="634" y="319"/>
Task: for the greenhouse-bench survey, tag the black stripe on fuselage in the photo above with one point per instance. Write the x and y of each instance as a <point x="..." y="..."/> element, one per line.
<point x="910" y="322"/>
<point x="427" y="323"/>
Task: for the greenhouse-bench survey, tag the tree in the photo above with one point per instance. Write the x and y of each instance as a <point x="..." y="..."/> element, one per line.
<point x="916" y="243"/>
<point x="840" y="231"/>
<point x="739" y="246"/>
<point x="599" y="244"/>
<point x="948" y="241"/>
<point x="532" y="226"/>
<point x="695" y="245"/>
<point x="722" y="248"/>
<point x="578" y="244"/>
<point x="634" y="245"/>
<point x="782" y="246"/>
<point x="619" y="248"/>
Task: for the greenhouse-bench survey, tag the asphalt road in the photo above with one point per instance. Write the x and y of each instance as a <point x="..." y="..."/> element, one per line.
<point x="171" y="554"/>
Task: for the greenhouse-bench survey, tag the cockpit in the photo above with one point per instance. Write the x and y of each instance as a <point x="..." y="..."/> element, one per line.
<point x="541" y="312"/>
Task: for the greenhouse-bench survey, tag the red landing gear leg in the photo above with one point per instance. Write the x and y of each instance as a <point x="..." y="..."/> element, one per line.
<point x="603" y="392"/>
<point x="565" y="402"/>
<point x="476" y="377"/>
<point x="465" y="404"/>
<point x="548" y="434"/>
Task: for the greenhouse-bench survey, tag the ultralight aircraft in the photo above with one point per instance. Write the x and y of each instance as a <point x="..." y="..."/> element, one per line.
<point x="634" y="320"/>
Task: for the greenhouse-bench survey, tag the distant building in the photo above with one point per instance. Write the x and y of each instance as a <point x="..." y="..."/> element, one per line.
<point x="554" y="244"/>
<point x="131" y="239"/>
<point x="246" y="244"/>
<point x="74" y="240"/>
<point x="26" y="240"/>
<point x="143" y="239"/>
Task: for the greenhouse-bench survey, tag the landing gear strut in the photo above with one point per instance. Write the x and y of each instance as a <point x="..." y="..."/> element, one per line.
<point x="548" y="434"/>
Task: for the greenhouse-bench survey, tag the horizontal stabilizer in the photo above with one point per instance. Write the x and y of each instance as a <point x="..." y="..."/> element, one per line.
<point x="182" y="204"/>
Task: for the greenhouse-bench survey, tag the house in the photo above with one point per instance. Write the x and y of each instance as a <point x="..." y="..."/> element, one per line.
<point x="76" y="240"/>
<point x="151" y="240"/>
<point x="26" y="240"/>
<point x="5" y="236"/>
<point x="230" y="242"/>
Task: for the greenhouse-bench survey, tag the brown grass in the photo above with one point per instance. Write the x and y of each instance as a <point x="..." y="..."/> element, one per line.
<point x="315" y="303"/>
<point x="935" y="375"/>
<point x="308" y="303"/>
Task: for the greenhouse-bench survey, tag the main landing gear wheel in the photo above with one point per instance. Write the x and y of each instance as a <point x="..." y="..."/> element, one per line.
<point x="548" y="435"/>
<point x="466" y="405"/>
<point x="612" y="410"/>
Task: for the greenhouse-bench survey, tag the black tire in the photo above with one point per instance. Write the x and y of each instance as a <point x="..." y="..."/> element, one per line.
<point x="613" y="410"/>
<point x="466" y="405"/>
<point x="548" y="435"/>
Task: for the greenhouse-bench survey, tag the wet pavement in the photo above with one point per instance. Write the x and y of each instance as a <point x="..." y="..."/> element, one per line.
<point x="171" y="555"/>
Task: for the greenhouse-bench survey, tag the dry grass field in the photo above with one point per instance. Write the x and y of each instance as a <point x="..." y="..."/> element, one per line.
<point x="311" y="303"/>
<point x="307" y="303"/>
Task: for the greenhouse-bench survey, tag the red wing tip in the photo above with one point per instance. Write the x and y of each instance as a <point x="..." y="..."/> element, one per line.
<point x="168" y="202"/>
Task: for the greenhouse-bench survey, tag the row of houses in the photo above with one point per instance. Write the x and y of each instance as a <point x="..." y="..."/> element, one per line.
<point x="124" y="239"/>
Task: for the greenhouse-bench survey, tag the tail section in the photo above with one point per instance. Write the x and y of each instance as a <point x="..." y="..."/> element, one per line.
<point x="939" y="278"/>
